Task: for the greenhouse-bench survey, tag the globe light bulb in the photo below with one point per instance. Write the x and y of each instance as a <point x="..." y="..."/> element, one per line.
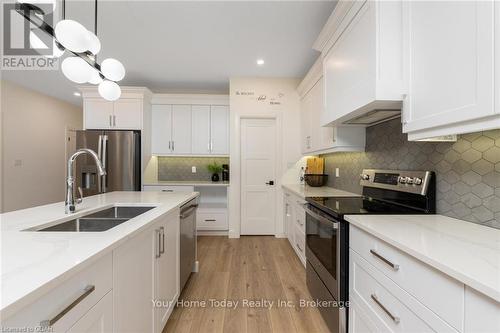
<point x="76" y="69"/>
<point x="112" y="69"/>
<point x="109" y="90"/>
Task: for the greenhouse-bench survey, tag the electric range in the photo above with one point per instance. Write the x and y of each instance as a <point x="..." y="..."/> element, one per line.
<point x="327" y="233"/>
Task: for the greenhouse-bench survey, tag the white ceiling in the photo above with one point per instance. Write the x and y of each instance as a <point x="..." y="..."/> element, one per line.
<point x="187" y="46"/>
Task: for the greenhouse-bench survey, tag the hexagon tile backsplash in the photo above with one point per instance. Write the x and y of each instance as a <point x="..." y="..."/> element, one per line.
<point x="468" y="171"/>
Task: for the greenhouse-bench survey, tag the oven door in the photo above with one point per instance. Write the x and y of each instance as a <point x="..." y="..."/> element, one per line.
<point x="323" y="248"/>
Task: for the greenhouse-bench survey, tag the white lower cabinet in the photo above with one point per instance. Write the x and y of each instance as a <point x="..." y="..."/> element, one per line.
<point x="99" y="319"/>
<point x="482" y="314"/>
<point x="133" y="292"/>
<point x="66" y="305"/>
<point x="391" y="291"/>
<point x="166" y="268"/>
<point x="146" y="269"/>
<point x="295" y="224"/>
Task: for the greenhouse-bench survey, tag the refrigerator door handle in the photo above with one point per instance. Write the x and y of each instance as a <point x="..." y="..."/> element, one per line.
<point x="99" y="147"/>
<point x="103" y="160"/>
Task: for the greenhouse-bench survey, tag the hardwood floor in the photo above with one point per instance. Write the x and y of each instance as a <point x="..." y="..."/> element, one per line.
<point x="259" y="268"/>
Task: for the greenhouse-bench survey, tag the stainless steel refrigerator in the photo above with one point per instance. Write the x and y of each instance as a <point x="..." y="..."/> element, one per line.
<point x="120" y="152"/>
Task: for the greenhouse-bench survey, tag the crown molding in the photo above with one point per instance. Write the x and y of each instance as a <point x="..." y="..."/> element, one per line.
<point x="312" y="77"/>
<point x="336" y="23"/>
<point x="127" y="92"/>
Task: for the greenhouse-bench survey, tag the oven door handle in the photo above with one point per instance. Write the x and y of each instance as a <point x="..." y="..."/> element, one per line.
<point x="334" y="225"/>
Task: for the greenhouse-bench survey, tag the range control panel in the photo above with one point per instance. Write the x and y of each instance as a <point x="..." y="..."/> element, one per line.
<point x="408" y="181"/>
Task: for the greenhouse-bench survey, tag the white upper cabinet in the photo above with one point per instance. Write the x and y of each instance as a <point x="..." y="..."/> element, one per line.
<point x="127" y="115"/>
<point x="362" y="61"/>
<point x="316" y="138"/>
<point x="181" y="129"/>
<point x="219" y="130"/>
<point x="450" y="67"/>
<point x="98" y="113"/>
<point x="161" y="143"/>
<point x="200" y="141"/>
<point x="130" y="112"/>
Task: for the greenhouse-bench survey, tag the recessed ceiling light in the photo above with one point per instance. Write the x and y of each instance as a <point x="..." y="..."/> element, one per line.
<point x="76" y="93"/>
<point x="260" y="62"/>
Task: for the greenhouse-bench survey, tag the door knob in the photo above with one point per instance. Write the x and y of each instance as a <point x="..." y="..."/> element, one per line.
<point x="271" y="182"/>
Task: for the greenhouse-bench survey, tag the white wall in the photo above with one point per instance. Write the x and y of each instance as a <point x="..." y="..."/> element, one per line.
<point x="33" y="146"/>
<point x="281" y="101"/>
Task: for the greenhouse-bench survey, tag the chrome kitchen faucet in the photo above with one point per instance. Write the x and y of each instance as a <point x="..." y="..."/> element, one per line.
<point x="69" y="203"/>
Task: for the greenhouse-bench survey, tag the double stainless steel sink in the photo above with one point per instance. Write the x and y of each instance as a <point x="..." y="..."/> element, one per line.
<point x="99" y="221"/>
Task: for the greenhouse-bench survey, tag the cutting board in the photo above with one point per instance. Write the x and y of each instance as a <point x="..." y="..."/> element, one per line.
<point x="316" y="165"/>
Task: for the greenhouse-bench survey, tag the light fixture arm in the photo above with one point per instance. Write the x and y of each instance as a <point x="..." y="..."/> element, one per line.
<point x="28" y="12"/>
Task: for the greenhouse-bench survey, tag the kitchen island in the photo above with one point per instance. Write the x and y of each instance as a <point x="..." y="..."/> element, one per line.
<point x="40" y="269"/>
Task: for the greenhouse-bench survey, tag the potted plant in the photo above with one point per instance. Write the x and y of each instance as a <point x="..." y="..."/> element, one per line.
<point x="215" y="169"/>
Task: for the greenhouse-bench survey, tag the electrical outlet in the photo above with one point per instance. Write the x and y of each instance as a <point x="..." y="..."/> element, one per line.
<point x="193" y="169"/>
<point x="337" y="172"/>
<point x="18" y="163"/>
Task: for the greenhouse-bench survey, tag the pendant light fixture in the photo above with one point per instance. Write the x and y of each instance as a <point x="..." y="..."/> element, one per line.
<point x="82" y="45"/>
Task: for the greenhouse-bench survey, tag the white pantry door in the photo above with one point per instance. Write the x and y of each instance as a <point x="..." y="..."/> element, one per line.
<point x="258" y="176"/>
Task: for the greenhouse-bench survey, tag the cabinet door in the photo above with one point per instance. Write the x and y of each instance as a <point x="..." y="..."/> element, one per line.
<point x="219" y="129"/>
<point x="305" y="123"/>
<point x="167" y="269"/>
<point x="99" y="319"/>
<point x="181" y="129"/>
<point x="321" y="137"/>
<point x="128" y="114"/>
<point x="200" y="143"/>
<point x="161" y="127"/>
<point x="133" y="287"/>
<point x="290" y="221"/>
<point x="449" y="63"/>
<point x="98" y="113"/>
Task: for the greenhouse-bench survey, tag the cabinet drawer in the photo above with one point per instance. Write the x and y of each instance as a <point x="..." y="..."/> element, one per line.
<point x="53" y="303"/>
<point x="211" y="220"/>
<point x="387" y="304"/>
<point x="168" y="188"/>
<point x="437" y="291"/>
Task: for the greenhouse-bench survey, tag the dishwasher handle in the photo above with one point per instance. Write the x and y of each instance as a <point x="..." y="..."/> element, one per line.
<point x="187" y="211"/>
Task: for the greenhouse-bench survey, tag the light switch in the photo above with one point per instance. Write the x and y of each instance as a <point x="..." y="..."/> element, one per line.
<point x="193" y="169"/>
<point x="18" y="163"/>
<point x="337" y="172"/>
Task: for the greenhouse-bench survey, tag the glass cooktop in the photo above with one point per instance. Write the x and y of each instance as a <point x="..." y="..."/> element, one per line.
<point x="339" y="206"/>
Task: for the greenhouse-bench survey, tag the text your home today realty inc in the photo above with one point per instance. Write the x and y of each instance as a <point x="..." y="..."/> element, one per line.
<point x="249" y="303"/>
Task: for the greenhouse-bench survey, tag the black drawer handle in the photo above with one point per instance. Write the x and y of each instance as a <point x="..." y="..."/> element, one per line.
<point x="210" y="220"/>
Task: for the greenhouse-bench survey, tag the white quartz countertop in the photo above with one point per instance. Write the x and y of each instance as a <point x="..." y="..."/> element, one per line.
<point x="305" y="191"/>
<point x="33" y="262"/>
<point x="187" y="183"/>
<point x="465" y="251"/>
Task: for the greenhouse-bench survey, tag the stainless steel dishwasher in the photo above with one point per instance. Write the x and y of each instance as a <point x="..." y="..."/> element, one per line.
<point x="188" y="241"/>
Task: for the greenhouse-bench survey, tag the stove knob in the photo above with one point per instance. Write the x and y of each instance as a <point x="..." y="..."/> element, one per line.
<point x="409" y="180"/>
<point x="402" y="180"/>
<point x="417" y="181"/>
<point x="365" y="177"/>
